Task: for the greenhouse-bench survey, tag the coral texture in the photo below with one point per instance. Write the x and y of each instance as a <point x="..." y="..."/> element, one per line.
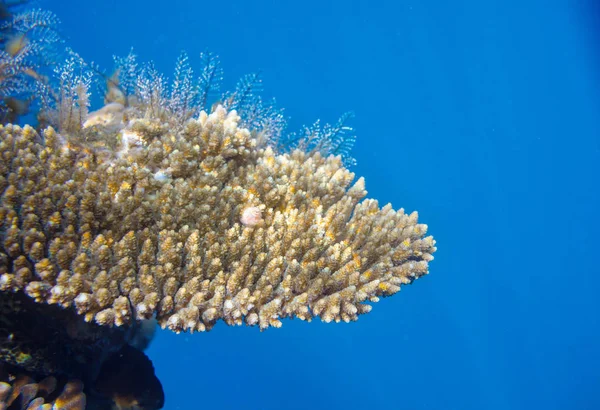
<point x="195" y="225"/>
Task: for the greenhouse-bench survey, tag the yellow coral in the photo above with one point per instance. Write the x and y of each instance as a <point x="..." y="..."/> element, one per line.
<point x="119" y="240"/>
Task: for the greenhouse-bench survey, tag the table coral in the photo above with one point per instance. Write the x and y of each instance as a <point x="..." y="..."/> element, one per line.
<point x="153" y="224"/>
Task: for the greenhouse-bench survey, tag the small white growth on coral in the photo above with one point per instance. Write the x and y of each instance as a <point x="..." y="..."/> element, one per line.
<point x="251" y="216"/>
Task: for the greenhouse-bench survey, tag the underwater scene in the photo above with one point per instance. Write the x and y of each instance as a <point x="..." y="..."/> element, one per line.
<point x="215" y="205"/>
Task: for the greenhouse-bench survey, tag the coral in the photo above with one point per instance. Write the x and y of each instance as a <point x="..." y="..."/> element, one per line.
<point x="150" y="223"/>
<point x="42" y="346"/>
<point x="21" y="391"/>
<point x="46" y="339"/>
<point x="125" y="381"/>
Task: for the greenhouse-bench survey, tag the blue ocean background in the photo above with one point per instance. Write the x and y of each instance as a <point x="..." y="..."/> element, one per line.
<point x="482" y="115"/>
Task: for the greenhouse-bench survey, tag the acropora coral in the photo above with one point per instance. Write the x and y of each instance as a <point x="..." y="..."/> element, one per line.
<point x="155" y="224"/>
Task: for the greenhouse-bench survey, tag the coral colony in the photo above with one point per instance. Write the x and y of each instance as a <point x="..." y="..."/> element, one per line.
<point x="160" y="209"/>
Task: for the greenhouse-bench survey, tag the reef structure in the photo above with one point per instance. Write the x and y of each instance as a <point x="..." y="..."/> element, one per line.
<point x="194" y="226"/>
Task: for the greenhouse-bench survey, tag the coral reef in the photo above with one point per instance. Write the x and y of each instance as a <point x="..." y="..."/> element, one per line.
<point x="155" y="223"/>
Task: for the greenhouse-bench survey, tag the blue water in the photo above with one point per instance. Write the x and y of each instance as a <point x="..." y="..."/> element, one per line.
<point x="482" y="115"/>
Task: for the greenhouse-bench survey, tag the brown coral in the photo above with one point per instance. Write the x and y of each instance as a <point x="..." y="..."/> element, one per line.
<point x="46" y="342"/>
<point x="126" y="381"/>
<point x="152" y="222"/>
<point x="21" y="391"/>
